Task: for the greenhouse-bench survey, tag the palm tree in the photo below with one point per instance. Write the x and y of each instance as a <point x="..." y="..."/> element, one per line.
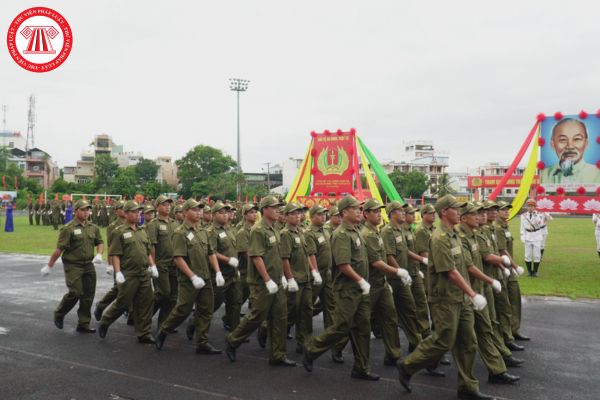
<point x="443" y="186"/>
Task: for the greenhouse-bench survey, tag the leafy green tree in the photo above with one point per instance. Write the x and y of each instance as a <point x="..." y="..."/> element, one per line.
<point x="154" y="189"/>
<point x="413" y="183"/>
<point x="146" y="170"/>
<point x="205" y="170"/>
<point x="106" y="170"/>
<point x="125" y="183"/>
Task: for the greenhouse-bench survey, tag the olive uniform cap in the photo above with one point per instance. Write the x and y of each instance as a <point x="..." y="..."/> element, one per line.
<point x="132" y="205"/>
<point x="348" y="201"/>
<point x="372" y="204"/>
<point x="447" y="201"/>
<point x="269" y="201"/>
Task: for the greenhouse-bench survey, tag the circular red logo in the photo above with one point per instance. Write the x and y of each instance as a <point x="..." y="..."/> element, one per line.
<point x="39" y="39"/>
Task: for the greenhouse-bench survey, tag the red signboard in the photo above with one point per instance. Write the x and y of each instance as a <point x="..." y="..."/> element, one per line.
<point x="333" y="167"/>
<point x="569" y="204"/>
<point x="476" y="182"/>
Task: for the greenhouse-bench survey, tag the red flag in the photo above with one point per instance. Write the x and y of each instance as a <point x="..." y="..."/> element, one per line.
<point x="254" y="199"/>
<point x="96" y="199"/>
<point x="16" y="183"/>
<point x="55" y="196"/>
<point x="28" y="198"/>
<point x="4" y="182"/>
<point x="108" y="200"/>
<point x="41" y="198"/>
<point x="423" y="199"/>
<point x="208" y="200"/>
<point x="246" y="198"/>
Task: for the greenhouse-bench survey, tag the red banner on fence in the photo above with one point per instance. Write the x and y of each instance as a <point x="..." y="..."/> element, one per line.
<point x="569" y="204"/>
<point x="491" y="181"/>
<point x="332" y="167"/>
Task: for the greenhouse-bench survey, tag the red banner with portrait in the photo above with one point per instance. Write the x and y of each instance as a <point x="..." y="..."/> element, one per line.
<point x="333" y="167"/>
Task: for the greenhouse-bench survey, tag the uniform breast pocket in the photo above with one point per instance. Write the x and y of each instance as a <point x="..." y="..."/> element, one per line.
<point x="271" y="240"/>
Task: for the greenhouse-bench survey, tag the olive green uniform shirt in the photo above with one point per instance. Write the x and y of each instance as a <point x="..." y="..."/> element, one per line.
<point x="193" y="245"/>
<point x="375" y="252"/>
<point x="223" y="241"/>
<point x="242" y="241"/>
<point x="422" y="236"/>
<point x="472" y="253"/>
<point x="395" y="245"/>
<point x="264" y="242"/>
<point x="445" y="254"/>
<point x="505" y="240"/>
<point x="160" y="232"/>
<point x="348" y="247"/>
<point x="409" y="237"/>
<point x="293" y="247"/>
<point x="318" y="242"/>
<point x="133" y="248"/>
<point x="77" y="241"/>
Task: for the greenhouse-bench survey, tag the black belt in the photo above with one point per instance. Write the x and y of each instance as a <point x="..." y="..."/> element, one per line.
<point x="533" y="230"/>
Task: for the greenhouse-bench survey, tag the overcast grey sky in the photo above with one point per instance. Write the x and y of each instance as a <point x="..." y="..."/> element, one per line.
<point x="469" y="75"/>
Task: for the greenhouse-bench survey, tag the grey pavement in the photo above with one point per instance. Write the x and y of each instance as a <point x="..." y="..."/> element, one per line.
<point x="38" y="361"/>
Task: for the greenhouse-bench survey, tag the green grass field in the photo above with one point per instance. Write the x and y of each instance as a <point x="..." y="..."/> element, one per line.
<point x="571" y="266"/>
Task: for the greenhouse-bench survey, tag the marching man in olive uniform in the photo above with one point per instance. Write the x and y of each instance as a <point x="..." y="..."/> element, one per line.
<point x="490" y="354"/>
<point x="193" y="253"/>
<point x="351" y="316"/>
<point x="133" y="265"/>
<point x="76" y="242"/>
<point x="297" y="269"/>
<point x="249" y="212"/>
<point x="380" y="296"/>
<point x="267" y="288"/>
<point x="160" y="232"/>
<point x="505" y="246"/>
<point x="452" y="303"/>
<point x="224" y="243"/>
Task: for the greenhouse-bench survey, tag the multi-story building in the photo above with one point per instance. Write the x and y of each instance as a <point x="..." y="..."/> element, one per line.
<point x="40" y="167"/>
<point x="12" y="140"/>
<point x="167" y="171"/>
<point x="487" y="177"/>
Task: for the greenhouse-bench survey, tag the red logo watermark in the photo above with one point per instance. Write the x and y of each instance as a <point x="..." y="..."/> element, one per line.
<point x="39" y="39"/>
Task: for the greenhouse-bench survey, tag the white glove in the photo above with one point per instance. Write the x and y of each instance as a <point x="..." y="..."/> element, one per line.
<point x="404" y="276"/>
<point x="119" y="277"/>
<point x="390" y="289"/>
<point x="109" y="269"/>
<point x="317" y="277"/>
<point x="153" y="271"/>
<point x="506" y="272"/>
<point x="479" y="302"/>
<point x="292" y="285"/>
<point x="496" y="286"/>
<point x="197" y="282"/>
<point x="421" y="274"/>
<point x="425" y="261"/>
<point x="234" y="262"/>
<point x="97" y="259"/>
<point x="364" y="286"/>
<point x="220" y="280"/>
<point x="506" y="261"/>
<point x="271" y="286"/>
<point x="520" y="270"/>
<point x="284" y="282"/>
<point x="45" y="270"/>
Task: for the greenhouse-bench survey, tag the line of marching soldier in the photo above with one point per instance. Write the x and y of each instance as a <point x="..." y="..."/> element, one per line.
<point x="450" y="289"/>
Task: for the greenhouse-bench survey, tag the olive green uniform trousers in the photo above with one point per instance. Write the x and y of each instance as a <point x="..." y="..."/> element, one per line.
<point x="136" y="291"/>
<point x="165" y="292"/>
<point x="271" y="308"/>
<point x="300" y="311"/>
<point x="504" y="312"/>
<point x="422" y="308"/>
<point x="81" y="282"/>
<point x="454" y="330"/>
<point x="351" y="316"/>
<point x="231" y="295"/>
<point x="188" y="298"/>
<point x="406" y="311"/>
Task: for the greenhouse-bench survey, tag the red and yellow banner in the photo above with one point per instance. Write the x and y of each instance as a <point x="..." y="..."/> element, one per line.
<point x="491" y="181"/>
<point x="332" y="162"/>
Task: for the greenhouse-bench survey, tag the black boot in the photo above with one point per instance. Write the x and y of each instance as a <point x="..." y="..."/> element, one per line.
<point x="542" y="254"/>
<point x="535" y="269"/>
<point x="528" y="265"/>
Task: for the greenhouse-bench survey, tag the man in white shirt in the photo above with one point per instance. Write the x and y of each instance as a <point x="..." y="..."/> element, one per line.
<point x="532" y="237"/>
